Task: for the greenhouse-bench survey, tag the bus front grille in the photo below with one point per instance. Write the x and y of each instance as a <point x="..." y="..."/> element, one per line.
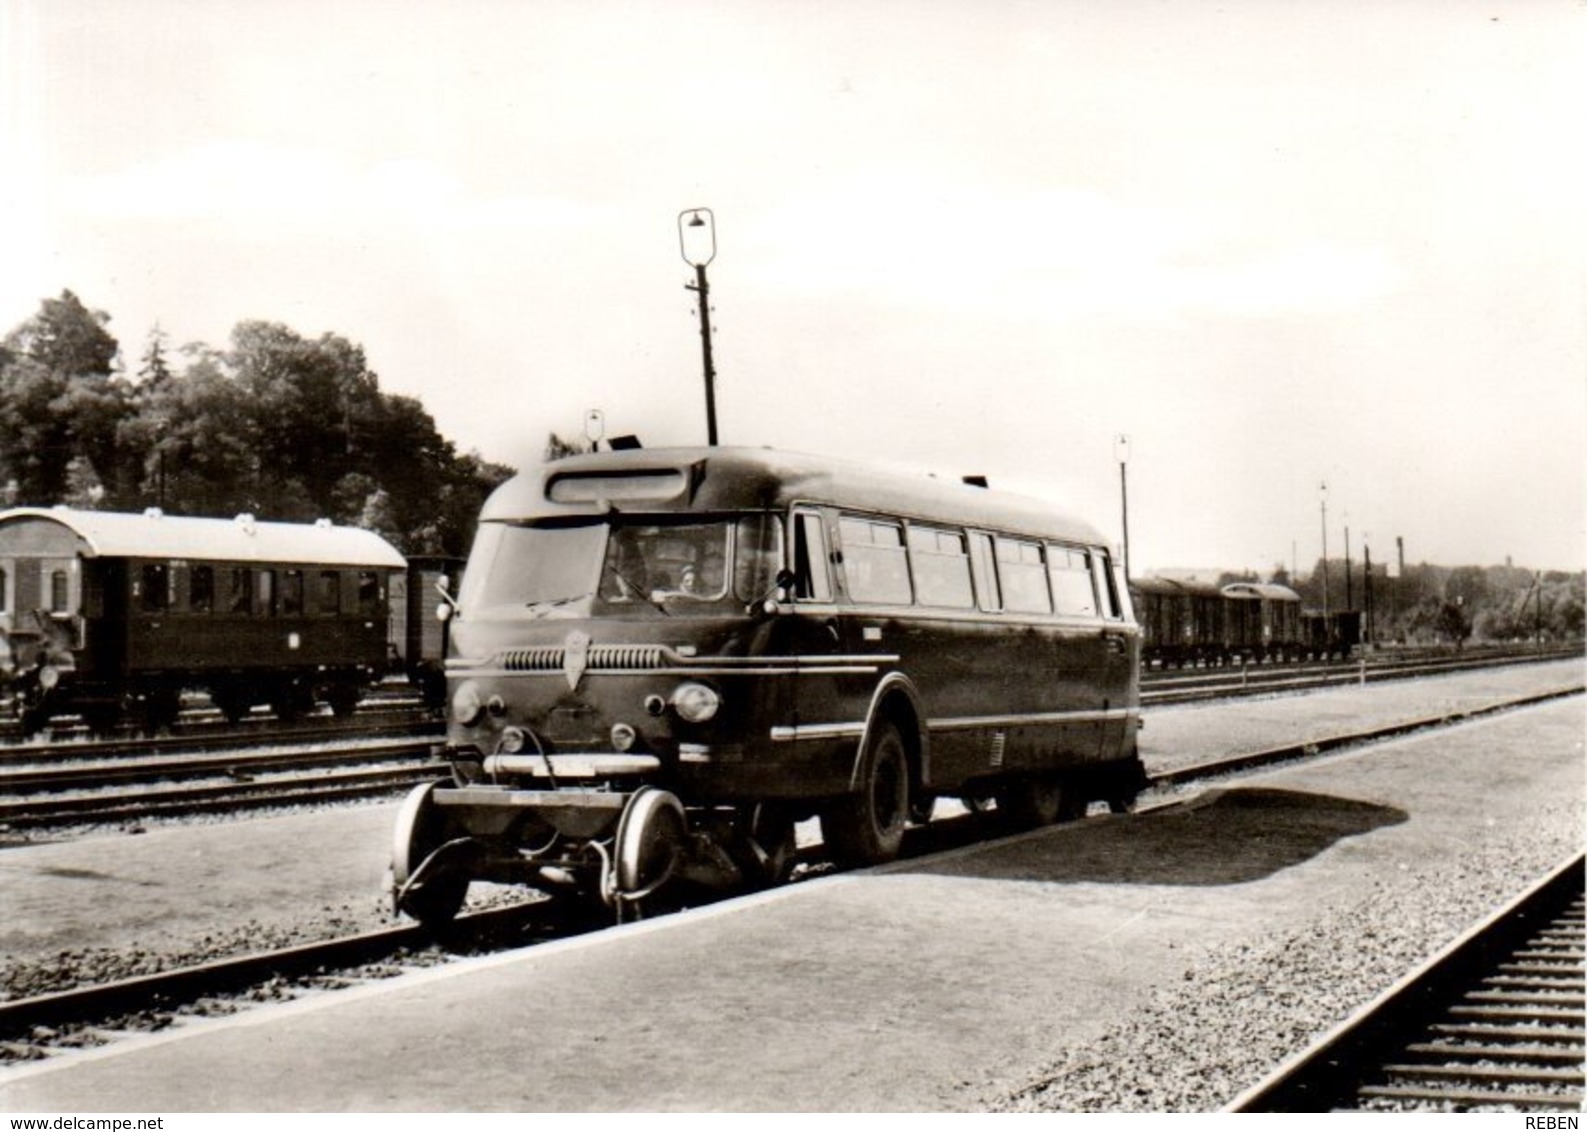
<point x="608" y="658"/>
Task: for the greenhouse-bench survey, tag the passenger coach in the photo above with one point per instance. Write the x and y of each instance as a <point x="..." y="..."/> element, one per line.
<point x="102" y="613"/>
<point x="662" y="659"/>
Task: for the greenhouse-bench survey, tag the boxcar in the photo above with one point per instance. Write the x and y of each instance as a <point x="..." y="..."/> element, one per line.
<point x="105" y="613"/>
<point x="1264" y="621"/>
<point x="662" y="659"/>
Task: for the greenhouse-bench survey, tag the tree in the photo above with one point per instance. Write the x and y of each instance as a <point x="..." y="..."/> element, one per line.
<point x="153" y="369"/>
<point x="67" y="339"/>
<point x="35" y="440"/>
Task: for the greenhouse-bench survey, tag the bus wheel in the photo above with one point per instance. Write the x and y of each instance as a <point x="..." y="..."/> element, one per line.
<point x="434" y="897"/>
<point x="1038" y="800"/>
<point x="867" y="827"/>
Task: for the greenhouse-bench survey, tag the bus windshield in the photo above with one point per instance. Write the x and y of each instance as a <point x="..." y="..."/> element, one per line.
<point x="624" y="563"/>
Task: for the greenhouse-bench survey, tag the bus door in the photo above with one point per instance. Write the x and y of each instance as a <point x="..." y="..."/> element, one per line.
<point x="1120" y="656"/>
<point x="817" y="639"/>
<point x="1083" y="649"/>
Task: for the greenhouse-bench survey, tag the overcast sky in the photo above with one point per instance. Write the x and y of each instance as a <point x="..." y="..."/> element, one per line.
<point x="1275" y="244"/>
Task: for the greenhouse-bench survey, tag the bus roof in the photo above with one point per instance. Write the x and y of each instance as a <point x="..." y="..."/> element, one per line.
<point x="152" y="534"/>
<point x="689" y="480"/>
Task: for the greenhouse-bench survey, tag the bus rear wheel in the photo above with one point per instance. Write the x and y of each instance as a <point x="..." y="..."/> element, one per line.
<point x="867" y="827"/>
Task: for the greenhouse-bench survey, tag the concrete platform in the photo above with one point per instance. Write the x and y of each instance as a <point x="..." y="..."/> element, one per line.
<point x="918" y="987"/>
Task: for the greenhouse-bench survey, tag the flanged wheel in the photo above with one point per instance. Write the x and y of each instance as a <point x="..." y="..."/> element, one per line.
<point x="867" y="827"/>
<point x="101" y="719"/>
<point x="343" y="699"/>
<point x="652" y="836"/>
<point x="161" y="707"/>
<point x="764" y="847"/>
<point x="435" y="896"/>
<point x="1033" y="801"/>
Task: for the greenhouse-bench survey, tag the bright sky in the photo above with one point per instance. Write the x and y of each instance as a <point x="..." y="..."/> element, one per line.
<point x="1275" y="244"/>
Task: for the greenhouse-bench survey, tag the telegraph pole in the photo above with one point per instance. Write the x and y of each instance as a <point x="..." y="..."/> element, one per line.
<point x="1121" y="449"/>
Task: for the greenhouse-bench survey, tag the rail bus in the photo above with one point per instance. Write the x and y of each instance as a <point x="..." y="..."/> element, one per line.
<point x="662" y="659"/>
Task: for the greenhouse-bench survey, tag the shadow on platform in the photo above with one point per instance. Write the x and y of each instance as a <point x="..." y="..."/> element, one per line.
<point x="1221" y="837"/>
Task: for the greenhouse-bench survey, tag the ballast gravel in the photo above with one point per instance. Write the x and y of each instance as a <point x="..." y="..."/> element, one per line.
<point x="1241" y="1011"/>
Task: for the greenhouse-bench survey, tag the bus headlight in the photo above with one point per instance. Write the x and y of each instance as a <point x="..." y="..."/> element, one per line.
<point x="49" y="676"/>
<point x="467" y="707"/>
<point x="695" y="702"/>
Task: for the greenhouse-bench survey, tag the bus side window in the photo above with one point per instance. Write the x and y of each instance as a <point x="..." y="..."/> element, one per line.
<point x="941" y="567"/>
<point x="1107" y="588"/>
<point x="983" y="566"/>
<point x="811" y="580"/>
<point x="1070" y="569"/>
<point x="874" y="562"/>
<point x="4" y="591"/>
<point x="1023" y="577"/>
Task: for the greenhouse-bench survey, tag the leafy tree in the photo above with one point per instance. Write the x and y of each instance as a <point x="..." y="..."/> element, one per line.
<point x="67" y="338"/>
<point x="35" y="440"/>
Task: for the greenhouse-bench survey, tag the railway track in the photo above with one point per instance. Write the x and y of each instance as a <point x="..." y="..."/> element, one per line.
<point x="1497" y="1021"/>
<point x="34" y="1027"/>
<point x="1174" y="686"/>
<point x="86" y="783"/>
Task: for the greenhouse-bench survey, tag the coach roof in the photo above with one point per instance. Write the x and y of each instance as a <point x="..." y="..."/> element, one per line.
<point x="738" y="479"/>
<point x="112" y="534"/>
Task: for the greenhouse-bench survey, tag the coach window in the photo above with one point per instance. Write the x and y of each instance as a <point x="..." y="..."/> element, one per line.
<point x="873" y="561"/>
<point x="811" y="580"/>
<point x="1070" y="569"/>
<point x="60" y="595"/>
<point x="292" y="593"/>
<point x="1022" y="577"/>
<point x="941" y="566"/>
<point x="201" y="589"/>
<point x="368" y="593"/>
<point x="5" y="590"/>
<point x="264" y="593"/>
<point x="329" y="599"/>
<point x="239" y="591"/>
<point x="156" y="595"/>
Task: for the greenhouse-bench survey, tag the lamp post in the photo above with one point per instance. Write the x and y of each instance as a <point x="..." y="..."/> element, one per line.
<point x="697" y="241"/>
<point x="1323" y="493"/>
<point x="1121" y="451"/>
